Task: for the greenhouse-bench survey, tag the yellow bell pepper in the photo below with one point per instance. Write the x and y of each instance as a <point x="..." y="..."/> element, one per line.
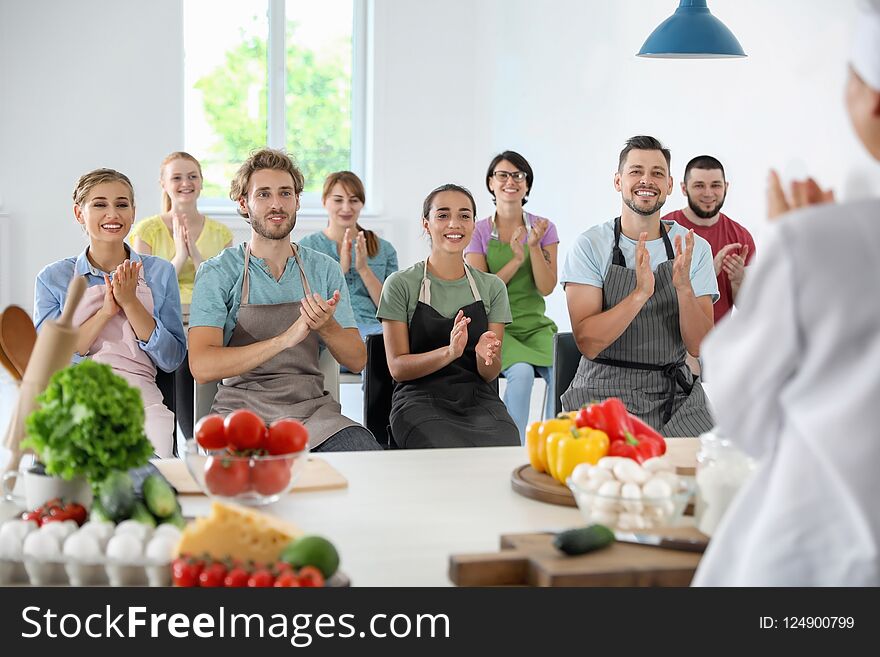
<point x="544" y="430"/>
<point x="553" y="441"/>
<point x="533" y="447"/>
<point x="579" y="446"/>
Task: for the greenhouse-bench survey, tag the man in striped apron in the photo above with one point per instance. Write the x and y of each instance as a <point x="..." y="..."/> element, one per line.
<point x="640" y="294"/>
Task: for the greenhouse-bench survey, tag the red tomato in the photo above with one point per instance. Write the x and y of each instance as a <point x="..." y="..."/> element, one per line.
<point x="77" y="512"/>
<point x="213" y="575"/>
<point x="310" y="576"/>
<point x="226" y="476"/>
<point x="287" y="436"/>
<point x="245" y="429"/>
<point x="236" y="577"/>
<point x="270" y="476"/>
<point x="287" y="579"/>
<point x="185" y="571"/>
<point x="261" y="578"/>
<point x="35" y="516"/>
<point x="209" y="432"/>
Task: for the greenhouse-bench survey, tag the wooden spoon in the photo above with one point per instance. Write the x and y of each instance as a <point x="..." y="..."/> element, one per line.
<point x="17" y="337"/>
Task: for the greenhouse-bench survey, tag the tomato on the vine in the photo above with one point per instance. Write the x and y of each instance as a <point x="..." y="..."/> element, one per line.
<point x="287" y="436"/>
<point x="245" y="429"/>
<point x="261" y="578"/>
<point x="213" y="575"/>
<point x="270" y="476"/>
<point x="227" y="476"/>
<point x="310" y="576"/>
<point x="237" y="577"/>
<point x="209" y="432"/>
<point x="287" y="579"/>
<point x="185" y="571"/>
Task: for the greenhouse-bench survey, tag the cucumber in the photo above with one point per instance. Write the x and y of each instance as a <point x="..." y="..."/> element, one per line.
<point x="117" y="495"/>
<point x="142" y="514"/>
<point x="159" y="496"/>
<point x="176" y="518"/>
<point x="583" y="540"/>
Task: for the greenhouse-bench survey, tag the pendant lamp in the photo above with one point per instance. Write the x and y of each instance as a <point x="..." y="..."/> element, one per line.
<point x="692" y="32"/>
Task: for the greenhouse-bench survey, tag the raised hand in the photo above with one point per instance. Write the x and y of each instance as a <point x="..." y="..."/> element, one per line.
<point x="458" y="337"/>
<point x="539" y="229"/>
<point x="681" y="266"/>
<point x="803" y="193"/>
<point x="110" y="307"/>
<point x="180" y="233"/>
<point x="191" y="247"/>
<point x="345" y="251"/>
<point x="644" y="274"/>
<point x="360" y="252"/>
<point x="718" y="260"/>
<point x="317" y="310"/>
<point x="488" y="348"/>
<point x="125" y="281"/>
<point x="734" y="265"/>
<point x="516" y="246"/>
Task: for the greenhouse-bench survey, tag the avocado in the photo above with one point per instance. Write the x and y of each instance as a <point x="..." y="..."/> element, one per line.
<point x="584" y="539"/>
<point x="159" y="496"/>
<point x="117" y="495"/>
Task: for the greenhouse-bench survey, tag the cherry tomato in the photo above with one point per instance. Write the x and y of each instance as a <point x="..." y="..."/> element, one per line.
<point x="287" y="579"/>
<point x="310" y="576"/>
<point x="245" y="429"/>
<point x="209" y="432"/>
<point x="77" y="512"/>
<point x="36" y="516"/>
<point x="212" y="575"/>
<point x="236" y="577"/>
<point x="227" y="476"/>
<point x="261" y="578"/>
<point x="270" y="476"/>
<point x="287" y="436"/>
<point x="185" y="571"/>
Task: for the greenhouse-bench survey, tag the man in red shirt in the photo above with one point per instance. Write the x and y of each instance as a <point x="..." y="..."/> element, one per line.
<point x="732" y="245"/>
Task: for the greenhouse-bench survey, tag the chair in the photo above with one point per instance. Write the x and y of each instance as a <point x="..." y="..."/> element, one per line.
<point x="205" y="392"/>
<point x="378" y="386"/>
<point x="566" y="358"/>
<point x="165" y="381"/>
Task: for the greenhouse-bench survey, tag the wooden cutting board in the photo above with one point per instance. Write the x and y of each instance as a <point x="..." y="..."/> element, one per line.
<point x="317" y="475"/>
<point x="531" y="560"/>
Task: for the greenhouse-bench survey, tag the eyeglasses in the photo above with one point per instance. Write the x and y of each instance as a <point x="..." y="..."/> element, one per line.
<point x="502" y="176"/>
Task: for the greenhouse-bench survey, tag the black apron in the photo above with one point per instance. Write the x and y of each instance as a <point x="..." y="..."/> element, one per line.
<point x="645" y="367"/>
<point x="454" y="406"/>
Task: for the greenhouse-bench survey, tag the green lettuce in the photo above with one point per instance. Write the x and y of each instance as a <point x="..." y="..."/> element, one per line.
<point x="89" y="422"/>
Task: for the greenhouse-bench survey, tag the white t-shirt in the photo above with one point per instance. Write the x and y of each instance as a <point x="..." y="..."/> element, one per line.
<point x="588" y="260"/>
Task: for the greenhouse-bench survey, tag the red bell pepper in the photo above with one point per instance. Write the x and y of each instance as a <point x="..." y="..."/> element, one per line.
<point x="624" y="449"/>
<point x="644" y="431"/>
<point x="593" y="416"/>
<point x="617" y="419"/>
<point x="637" y="448"/>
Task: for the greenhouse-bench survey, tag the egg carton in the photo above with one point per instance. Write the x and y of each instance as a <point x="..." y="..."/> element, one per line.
<point x="37" y="572"/>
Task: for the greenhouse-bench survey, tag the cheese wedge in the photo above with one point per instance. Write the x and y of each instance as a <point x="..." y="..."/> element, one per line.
<point x="234" y="531"/>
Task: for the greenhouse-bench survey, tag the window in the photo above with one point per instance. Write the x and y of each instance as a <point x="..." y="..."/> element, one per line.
<point x="284" y="73"/>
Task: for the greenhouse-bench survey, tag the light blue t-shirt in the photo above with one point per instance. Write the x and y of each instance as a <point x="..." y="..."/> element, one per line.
<point x="589" y="259"/>
<point x="383" y="264"/>
<point x="217" y="291"/>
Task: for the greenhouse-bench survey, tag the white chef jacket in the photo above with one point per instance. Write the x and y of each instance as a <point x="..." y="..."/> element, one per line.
<point x="795" y="378"/>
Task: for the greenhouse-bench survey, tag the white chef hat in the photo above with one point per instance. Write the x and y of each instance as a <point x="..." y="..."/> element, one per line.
<point x="865" y="56"/>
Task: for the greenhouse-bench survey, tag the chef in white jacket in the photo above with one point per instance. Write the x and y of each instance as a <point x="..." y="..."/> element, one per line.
<point x="796" y="381"/>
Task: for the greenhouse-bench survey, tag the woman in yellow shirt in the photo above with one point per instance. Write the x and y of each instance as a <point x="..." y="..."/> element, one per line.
<point x="186" y="237"/>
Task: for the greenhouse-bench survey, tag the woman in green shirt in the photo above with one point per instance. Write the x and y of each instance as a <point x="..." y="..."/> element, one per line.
<point x="443" y="329"/>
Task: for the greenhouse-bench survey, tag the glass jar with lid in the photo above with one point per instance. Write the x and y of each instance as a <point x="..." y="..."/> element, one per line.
<point x="722" y="469"/>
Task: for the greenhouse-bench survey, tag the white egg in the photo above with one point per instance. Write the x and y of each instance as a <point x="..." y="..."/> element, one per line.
<point x="101" y="530"/>
<point x="167" y="529"/>
<point x="139" y="529"/>
<point x="125" y="548"/>
<point x="161" y="548"/>
<point x="659" y="464"/>
<point x="10" y="546"/>
<point x="42" y="545"/>
<point x="628" y="471"/>
<point x="17" y="528"/>
<point x="83" y="547"/>
<point x="59" y="530"/>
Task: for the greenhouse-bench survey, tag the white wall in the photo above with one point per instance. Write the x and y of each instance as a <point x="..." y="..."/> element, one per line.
<point x="99" y="83"/>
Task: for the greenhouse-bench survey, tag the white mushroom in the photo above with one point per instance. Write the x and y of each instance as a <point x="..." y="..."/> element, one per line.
<point x="628" y="471"/>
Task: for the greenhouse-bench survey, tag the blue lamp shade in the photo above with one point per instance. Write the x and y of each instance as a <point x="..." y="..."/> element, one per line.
<point x="692" y="32"/>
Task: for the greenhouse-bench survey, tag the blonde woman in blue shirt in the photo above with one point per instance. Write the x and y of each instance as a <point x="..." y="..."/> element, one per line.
<point x="365" y="258"/>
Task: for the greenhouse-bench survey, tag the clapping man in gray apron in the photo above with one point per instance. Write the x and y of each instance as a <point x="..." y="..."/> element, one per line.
<point x="638" y="305"/>
<point x="260" y="311"/>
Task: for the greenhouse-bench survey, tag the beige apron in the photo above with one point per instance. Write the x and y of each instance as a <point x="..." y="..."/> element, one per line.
<point x="290" y="384"/>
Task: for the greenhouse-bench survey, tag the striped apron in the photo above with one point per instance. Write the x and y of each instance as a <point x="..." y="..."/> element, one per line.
<point x="645" y="367"/>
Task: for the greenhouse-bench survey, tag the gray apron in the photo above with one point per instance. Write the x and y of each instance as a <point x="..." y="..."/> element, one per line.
<point x="645" y="367"/>
<point x="290" y="384"/>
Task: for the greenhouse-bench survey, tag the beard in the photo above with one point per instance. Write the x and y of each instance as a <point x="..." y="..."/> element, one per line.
<point x="263" y="228"/>
<point x="703" y="214"/>
<point x="645" y="212"/>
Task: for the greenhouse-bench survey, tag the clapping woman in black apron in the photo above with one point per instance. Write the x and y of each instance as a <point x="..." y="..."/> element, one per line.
<point x="443" y="327"/>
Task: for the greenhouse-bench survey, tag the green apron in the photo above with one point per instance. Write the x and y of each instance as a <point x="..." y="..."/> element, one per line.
<point x="529" y="338"/>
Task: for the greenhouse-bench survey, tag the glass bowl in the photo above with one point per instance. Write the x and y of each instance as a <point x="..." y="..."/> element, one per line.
<point x="249" y="480"/>
<point x="618" y="512"/>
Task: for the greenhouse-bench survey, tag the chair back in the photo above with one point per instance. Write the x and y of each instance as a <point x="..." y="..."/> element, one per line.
<point x="566" y="358"/>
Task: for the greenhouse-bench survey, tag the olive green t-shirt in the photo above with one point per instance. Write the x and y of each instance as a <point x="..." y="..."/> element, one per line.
<point x="400" y="295"/>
